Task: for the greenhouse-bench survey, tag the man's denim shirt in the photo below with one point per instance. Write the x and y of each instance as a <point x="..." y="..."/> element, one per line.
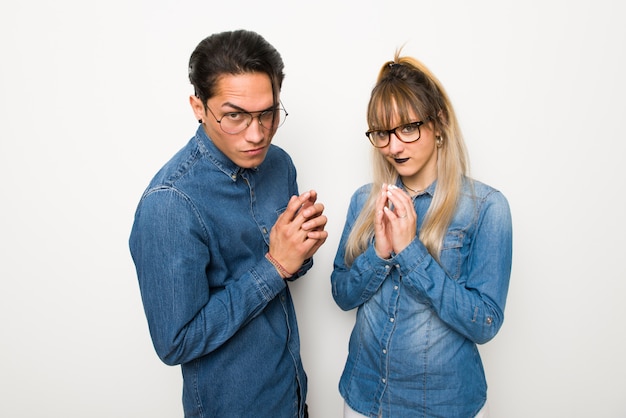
<point x="213" y="302"/>
<point x="413" y="348"/>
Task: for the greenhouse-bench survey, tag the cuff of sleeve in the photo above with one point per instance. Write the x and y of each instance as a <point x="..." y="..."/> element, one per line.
<point x="267" y="279"/>
<point x="306" y="266"/>
<point x="411" y="257"/>
<point x="377" y="264"/>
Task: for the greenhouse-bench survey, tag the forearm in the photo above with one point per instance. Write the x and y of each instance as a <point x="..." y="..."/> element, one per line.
<point x="187" y="320"/>
<point x="191" y="299"/>
<point x="355" y="285"/>
<point x="473" y="306"/>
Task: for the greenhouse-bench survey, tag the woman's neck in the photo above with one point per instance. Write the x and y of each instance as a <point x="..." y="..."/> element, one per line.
<point x="413" y="187"/>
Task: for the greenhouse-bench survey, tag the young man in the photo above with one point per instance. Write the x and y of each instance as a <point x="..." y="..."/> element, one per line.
<point x="219" y="232"/>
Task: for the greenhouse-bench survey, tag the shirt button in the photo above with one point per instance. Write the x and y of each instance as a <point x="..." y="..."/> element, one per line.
<point x="395" y="287"/>
<point x="264" y="230"/>
<point x="489" y="320"/>
<point x="384" y="380"/>
<point x="391" y="319"/>
<point x="384" y="351"/>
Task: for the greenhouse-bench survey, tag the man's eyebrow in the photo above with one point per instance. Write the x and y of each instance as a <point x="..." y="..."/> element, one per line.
<point x="241" y="109"/>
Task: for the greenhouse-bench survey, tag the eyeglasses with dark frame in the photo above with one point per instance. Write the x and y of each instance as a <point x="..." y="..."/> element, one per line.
<point x="407" y="133"/>
<point x="233" y="123"/>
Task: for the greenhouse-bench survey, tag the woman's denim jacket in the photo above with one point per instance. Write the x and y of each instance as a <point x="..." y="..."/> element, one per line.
<point x="214" y="303"/>
<point x="413" y="351"/>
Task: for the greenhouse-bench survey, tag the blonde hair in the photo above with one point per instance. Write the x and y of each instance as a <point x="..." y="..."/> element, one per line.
<point x="406" y="86"/>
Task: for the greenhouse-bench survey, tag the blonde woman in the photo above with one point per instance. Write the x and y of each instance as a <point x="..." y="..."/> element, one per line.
<point x="425" y="257"/>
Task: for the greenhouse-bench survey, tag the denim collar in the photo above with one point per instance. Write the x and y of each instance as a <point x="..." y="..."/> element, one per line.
<point x="217" y="157"/>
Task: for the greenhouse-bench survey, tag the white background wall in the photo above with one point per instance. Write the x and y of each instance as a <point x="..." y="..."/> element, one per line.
<point x="94" y="99"/>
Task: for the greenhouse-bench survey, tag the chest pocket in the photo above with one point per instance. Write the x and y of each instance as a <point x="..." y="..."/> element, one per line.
<point x="452" y="257"/>
<point x="278" y="212"/>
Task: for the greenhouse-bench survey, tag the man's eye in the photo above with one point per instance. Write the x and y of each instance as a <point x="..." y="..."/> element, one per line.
<point x="267" y="116"/>
<point x="234" y="116"/>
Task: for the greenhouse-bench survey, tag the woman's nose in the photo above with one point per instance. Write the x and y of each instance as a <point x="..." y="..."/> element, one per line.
<point x="395" y="145"/>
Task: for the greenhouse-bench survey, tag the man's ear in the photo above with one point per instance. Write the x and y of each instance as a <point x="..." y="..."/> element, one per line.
<point x="198" y="107"/>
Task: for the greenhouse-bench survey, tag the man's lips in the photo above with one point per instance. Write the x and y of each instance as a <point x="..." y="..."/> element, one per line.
<point x="254" y="151"/>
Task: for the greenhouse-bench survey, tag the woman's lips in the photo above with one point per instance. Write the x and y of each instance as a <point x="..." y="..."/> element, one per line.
<point x="400" y="160"/>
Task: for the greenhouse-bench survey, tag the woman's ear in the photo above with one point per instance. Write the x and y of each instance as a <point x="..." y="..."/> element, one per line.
<point x="441" y="115"/>
<point x="441" y="119"/>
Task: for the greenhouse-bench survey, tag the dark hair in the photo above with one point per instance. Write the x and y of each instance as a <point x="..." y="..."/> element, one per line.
<point x="233" y="52"/>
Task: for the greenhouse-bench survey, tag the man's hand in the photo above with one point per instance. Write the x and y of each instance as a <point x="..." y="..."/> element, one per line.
<point x="298" y="232"/>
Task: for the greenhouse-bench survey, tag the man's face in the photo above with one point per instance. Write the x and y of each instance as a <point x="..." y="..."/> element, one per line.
<point x="248" y="93"/>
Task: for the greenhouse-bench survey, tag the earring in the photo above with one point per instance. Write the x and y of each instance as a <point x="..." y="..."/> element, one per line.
<point x="439" y="140"/>
<point x="199" y="120"/>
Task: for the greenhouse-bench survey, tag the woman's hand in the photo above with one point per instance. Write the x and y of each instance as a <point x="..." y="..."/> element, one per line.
<point x="395" y="222"/>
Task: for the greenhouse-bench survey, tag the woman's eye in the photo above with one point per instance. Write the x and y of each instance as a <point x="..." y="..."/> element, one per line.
<point x="408" y="129"/>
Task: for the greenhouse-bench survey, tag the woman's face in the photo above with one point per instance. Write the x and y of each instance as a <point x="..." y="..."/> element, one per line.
<point x="415" y="162"/>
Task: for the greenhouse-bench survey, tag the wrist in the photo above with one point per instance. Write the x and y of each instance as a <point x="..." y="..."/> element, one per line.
<point x="383" y="255"/>
<point x="281" y="270"/>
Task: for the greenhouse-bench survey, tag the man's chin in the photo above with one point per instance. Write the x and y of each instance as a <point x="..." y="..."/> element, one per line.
<point x="252" y="161"/>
